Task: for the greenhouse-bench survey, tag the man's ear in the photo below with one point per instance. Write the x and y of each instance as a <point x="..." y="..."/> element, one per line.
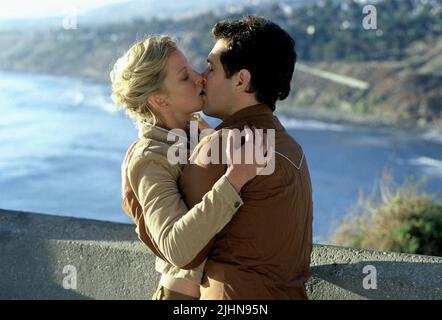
<point x="158" y="102"/>
<point x="243" y="78"/>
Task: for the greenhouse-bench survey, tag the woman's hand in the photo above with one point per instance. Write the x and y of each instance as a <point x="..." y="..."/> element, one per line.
<point x="240" y="173"/>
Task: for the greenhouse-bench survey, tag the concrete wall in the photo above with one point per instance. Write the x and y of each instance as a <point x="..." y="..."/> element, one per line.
<point x="36" y="252"/>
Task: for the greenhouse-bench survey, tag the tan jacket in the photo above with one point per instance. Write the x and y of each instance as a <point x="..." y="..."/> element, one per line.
<point x="264" y="251"/>
<point x="164" y="223"/>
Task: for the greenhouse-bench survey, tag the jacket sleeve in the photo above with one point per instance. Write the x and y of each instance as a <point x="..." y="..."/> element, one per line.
<point x="133" y="209"/>
<point x="179" y="233"/>
<point x="196" y="180"/>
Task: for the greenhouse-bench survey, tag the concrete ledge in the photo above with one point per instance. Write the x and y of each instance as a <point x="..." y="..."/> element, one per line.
<point x="111" y="263"/>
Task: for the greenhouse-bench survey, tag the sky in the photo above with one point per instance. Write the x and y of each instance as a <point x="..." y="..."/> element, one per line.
<point x="47" y="8"/>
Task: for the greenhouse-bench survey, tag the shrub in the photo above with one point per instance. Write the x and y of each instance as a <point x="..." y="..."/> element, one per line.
<point x="405" y="220"/>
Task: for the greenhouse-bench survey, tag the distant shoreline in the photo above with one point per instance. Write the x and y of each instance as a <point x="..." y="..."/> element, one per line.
<point x="348" y="118"/>
<point x="306" y="113"/>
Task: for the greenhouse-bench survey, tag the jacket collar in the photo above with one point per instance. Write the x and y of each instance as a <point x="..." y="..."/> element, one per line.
<point x="260" y="115"/>
<point x="149" y="131"/>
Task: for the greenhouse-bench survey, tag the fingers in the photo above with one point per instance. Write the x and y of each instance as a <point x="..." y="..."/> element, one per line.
<point x="254" y="151"/>
<point x="261" y="141"/>
<point x="247" y="148"/>
<point x="249" y="134"/>
<point x="230" y="146"/>
<point x="258" y="136"/>
<point x="264" y="145"/>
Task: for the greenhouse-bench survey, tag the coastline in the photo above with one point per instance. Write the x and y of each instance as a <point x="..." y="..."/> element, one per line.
<point x="354" y="119"/>
<point x="302" y="113"/>
<point x="312" y="134"/>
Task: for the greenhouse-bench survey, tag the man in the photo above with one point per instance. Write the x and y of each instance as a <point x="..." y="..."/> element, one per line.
<point x="264" y="251"/>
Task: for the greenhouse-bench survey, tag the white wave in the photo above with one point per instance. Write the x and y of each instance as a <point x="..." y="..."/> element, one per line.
<point x="433" y="135"/>
<point x="302" y="124"/>
<point x="430" y="166"/>
<point x="425" y="161"/>
<point x="77" y="98"/>
<point x="105" y="103"/>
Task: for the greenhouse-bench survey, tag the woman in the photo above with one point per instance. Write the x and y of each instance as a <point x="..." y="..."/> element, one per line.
<point x="158" y="88"/>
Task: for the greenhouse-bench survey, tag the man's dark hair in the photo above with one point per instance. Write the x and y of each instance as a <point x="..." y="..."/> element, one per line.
<point x="264" y="49"/>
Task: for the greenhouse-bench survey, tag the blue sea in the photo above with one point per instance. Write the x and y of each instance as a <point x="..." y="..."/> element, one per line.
<point x="62" y="142"/>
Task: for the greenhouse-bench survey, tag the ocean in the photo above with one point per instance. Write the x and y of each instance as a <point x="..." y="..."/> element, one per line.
<point x="62" y="141"/>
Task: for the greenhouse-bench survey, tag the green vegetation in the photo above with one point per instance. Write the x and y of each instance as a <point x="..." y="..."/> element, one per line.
<point x="404" y="221"/>
<point x="339" y="35"/>
<point x="338" y="31"/>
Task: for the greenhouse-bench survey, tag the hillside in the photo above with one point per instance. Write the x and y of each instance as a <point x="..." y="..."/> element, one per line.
<point x="405" y="92"/>
<point x="401" y="67"/>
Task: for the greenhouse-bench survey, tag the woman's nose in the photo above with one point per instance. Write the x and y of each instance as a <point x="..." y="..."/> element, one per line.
<point x="199" y="79"/>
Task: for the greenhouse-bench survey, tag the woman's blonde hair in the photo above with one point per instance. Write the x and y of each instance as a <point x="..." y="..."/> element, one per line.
<point x="139" y="74"/>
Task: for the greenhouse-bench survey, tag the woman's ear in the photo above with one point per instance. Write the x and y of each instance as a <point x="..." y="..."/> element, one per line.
<point x="243" y="78"/>
<point x="158" y="102"/>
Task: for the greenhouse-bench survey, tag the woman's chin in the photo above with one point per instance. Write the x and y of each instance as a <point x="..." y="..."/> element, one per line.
<point x="200" y="106"/>
<point x="203" y="100"/>
<point x="198" y="109"/>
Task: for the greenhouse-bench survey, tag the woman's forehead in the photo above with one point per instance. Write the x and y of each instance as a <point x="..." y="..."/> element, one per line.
<point x="177" y="61"/>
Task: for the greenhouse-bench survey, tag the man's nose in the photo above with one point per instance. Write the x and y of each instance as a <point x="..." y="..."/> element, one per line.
<point x="205" y="73"/>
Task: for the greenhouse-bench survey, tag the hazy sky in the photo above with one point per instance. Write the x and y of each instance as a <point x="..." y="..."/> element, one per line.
<point x="45" y="8"/>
